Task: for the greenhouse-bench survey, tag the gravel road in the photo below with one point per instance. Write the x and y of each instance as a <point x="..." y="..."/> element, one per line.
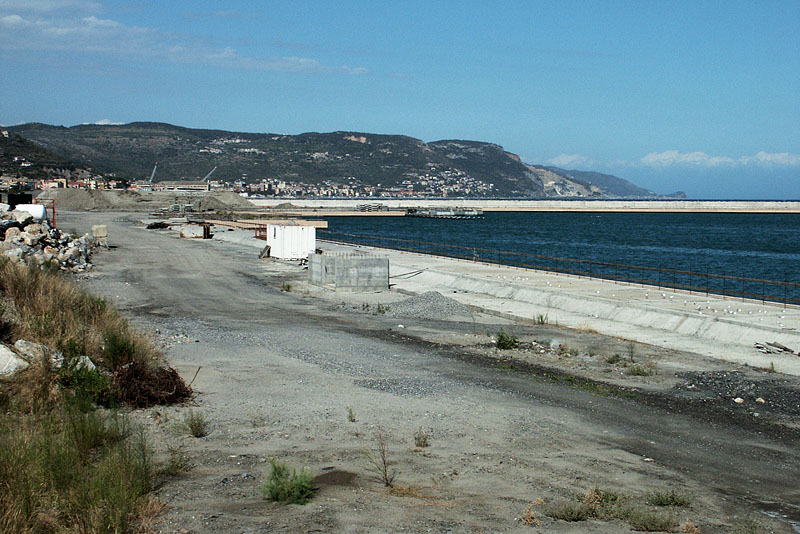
<point x="279" y="372"/>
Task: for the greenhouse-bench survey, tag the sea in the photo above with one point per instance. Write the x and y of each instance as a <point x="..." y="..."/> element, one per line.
<point x="744" y="255"/>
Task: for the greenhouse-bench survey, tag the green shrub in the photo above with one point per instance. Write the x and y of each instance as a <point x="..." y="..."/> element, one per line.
<point x="506" y="340"/>
<point x="613" y="359"/>
<point x="638" y="369"/>
<point x="287" y="485"/>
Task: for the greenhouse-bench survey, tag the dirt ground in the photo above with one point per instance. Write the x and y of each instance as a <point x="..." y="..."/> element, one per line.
<point x="309" y="377"/>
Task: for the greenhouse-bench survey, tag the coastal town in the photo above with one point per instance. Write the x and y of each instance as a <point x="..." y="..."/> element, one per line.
<point x="20" y="172"/>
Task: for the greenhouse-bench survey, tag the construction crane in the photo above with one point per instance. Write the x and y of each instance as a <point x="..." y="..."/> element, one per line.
<point x="153" y="174"/>
<point x="209" y="173"/>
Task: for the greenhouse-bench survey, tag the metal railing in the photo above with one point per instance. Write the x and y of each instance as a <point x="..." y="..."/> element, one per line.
<point x="785" y="292"/>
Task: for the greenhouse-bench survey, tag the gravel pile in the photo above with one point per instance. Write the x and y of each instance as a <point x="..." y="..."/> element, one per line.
<point x="778" y="394"/>
<point x="430" y="305"/>
<point x="25" y="238"/>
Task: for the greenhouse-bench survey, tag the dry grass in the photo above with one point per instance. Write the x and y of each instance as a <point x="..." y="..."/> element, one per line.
<point x="71" y="472"/>
<point x="47" y="308"/>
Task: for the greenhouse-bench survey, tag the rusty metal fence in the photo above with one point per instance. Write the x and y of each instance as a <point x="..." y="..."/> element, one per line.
<point x="784" y="291"/>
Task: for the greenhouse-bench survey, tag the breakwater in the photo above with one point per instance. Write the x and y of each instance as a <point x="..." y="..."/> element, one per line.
<point x="577" y="205"/>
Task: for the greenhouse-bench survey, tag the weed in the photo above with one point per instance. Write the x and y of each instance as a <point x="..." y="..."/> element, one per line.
<point x="177" y="463"/>
<point x="647" y="520"/>
<point x="640" y="370"/>
<point x="287" y="485"/>
<point x="688" y="527"/>
<point x="421" y="438"/>
<point x="631" y="352"/>
<point x="614" y="359"/>
<point x="71" y="472"/>
<point x="258" y="420"/>
<point x="508" y="365"/>
<point x="747" y="525"/>
<point x="351" y="416"/>
<point x="381" y="309"/>
<point x="771" y="367"/>
<point x="600" y="498"/>
<point x="529" y="518"/>
<point x="196" y="424"/>
<point x="506" y="340"/>
<point x="286" y="286"/>
<point x="569" y="511"/>
<point x="669" y="498"/>
<point x="378" y="460"/>
<point x="541" y="319"/>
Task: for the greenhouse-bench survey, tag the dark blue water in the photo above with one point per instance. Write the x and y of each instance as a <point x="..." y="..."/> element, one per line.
<point x="752" y="246"/>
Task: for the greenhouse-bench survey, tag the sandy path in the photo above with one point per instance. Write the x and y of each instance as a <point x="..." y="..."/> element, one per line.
<point x="279" y="371"/>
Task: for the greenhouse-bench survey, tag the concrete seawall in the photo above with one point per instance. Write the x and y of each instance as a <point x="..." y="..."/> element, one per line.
<point x="722" y="328"/>
<point x="551" y="205"/>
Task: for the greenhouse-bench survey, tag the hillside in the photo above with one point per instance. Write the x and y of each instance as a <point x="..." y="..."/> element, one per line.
<point x="467" y="168"/>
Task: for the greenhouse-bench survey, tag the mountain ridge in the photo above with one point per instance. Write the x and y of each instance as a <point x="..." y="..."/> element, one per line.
<point x="378" y="161"/>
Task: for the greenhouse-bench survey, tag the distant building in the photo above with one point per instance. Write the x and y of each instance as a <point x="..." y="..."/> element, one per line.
<point x="181" y="186"/>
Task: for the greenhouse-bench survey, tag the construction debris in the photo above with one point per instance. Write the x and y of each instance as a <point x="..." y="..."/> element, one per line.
<point x="28" y="237"/>
<point x="774" y="348"/>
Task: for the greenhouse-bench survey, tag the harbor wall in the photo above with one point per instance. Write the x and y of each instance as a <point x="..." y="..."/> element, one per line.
<point x="722" y="206"/>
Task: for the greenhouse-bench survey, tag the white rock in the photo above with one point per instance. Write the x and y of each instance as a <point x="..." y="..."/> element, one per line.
<point x="12" y="233"/>
<point x="760" y="400"/>
<point x="22" y="217"/>
<point x="33" y="351"/>
<point x="83" y="362"/>
<point x="10" y="362"/>
<point x="738" y="400"/>
<point x="36" y="211"/>
<point x="4" y="207"/>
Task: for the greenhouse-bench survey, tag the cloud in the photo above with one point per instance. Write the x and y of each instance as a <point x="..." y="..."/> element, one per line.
<point x="105" y="122"/>
<point x="71" y="26"/>
<point x="569" y="160"/>
<point x="670" y="158"/>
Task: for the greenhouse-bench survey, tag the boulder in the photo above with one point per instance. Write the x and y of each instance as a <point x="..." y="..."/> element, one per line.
<point x="12" y="233"/>
<point x="4" y="207"/>
<point x="84" y="362"/>
<point x="22" y="217"/>
<point x="31" y="351"/>
<point x="37" y="211"/>
<point x="10" y="362"/>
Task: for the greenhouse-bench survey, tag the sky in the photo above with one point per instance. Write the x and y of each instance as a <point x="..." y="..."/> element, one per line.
<point x="697" y="96"/>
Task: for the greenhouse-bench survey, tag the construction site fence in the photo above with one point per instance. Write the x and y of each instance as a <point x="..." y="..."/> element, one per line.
<point x="783" y="291"/>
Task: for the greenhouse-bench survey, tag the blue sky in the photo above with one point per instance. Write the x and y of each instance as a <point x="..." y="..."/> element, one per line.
<point x="696" y="96"/>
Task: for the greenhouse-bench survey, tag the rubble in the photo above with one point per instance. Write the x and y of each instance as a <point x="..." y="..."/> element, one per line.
<point x="25" y="237"/>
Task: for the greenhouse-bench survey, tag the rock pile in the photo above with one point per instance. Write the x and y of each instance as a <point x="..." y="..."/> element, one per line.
<point x="24" y="237"/>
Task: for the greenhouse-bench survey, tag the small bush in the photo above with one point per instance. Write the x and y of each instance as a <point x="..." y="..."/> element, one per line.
<point x="196" y="424"/>
<point x="378" y="460"/>
<point x="638" y="369"/>
<point x="287" y="485"/>
<point x="647" y="520"/>
<point x="177" y="463"/>
<point x="286" y="286"/>
<point x="569" y="511"/>
<point x="614" y="359"/>
<point x="541" y="319"/>
<point x="421" y="438"/>
<point x="506" y="340"/>
<point x="669" y="498"/>
<point x="381" y="309"/>
<point x="351" y="416"/>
